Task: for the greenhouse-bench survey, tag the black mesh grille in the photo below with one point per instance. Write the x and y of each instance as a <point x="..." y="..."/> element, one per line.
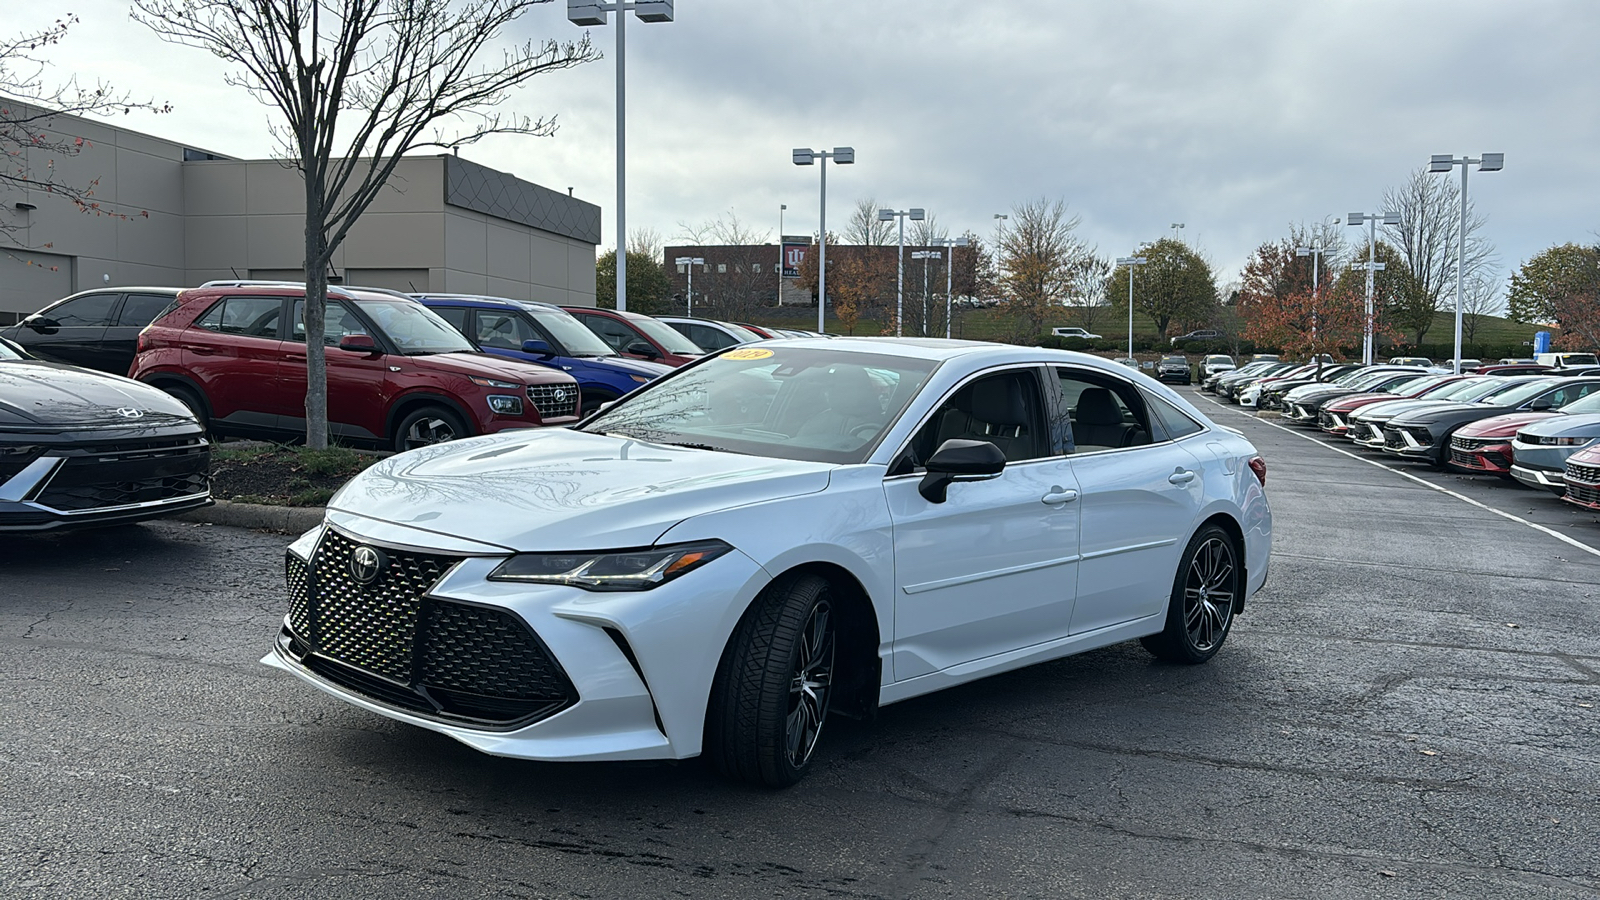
<point x="294" y="573"/>
<point x="554" y="400"/>
<point x="1580" y="472"/>
<point x="14" y="459"/>
<point x="102" y="480"/>
<point x="393" y="644"/>
<point x="1391" y="438"/>
<point x="1583" y="494"/>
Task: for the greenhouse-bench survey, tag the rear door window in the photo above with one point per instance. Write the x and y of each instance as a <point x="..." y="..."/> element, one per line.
<point x="1101" y="412"/>
<point x="247" y="316"/>
<point x="139" y="310"/>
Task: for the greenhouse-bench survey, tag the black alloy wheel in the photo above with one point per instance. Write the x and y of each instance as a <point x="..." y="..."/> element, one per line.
<point x="1200" y="613"/>
<point x="771" y="697"/>
<point x="427" y="425"/>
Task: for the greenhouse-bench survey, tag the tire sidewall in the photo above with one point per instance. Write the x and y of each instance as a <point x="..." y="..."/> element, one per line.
<point x="1176" y="634"/>
<point x="426" y="412"/>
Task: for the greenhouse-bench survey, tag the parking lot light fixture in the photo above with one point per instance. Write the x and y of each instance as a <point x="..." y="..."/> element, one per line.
<point x="915" y="215"/>
<point x="591" y="12"/>
<point x="691" y="262"/>
<point x="805" y="156"/>
<point x="1371" y="265"/>
<point x="1444" y="162"/>
<point x="1130" y="262"/>
<point x="949" y="272"/>
<point x="779" y="295"/>
<point x="1316" y="266"/>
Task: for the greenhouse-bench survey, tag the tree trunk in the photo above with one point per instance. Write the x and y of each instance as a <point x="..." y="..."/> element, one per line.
<point x="315" y="316"/>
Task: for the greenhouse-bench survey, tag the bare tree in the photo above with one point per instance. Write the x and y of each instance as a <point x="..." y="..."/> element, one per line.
<point x="1038" y="253"/>
<point x="864" y="227"/>
<point x="29" y="150"/>
<point x="726" y="229"/>
<point x="925" y="232"/>
<point x="645" y="241"/>
<point x="1480" y="301"/>
<point x="1430" y="212"/>
<point x="358" y="84"/>
<point x="1089" y="278"/>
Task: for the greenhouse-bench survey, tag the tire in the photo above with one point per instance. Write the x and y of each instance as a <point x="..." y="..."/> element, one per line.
<point x="190" y="398"/>
<point x="427" y="425"/>
<point x="592" y="401"/>
<point x="1197" y="623"/>
<point x="761" y="727"/>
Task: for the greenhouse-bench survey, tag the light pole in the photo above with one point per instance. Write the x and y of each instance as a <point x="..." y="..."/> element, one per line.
<point x="1175" y="227"/>
<point x="916" y="215"/>
<point x="925" y="255"/>
<point x="1444" y="162"/>
<point x="781" y="208"/>
<point x="949" y="277"/>
<point x="1316" y="266"/>
<point x="804" y="156"/>
<point x="691" y="262"/>
<point x="591" y="12"/>
<point x="1371" y="265"/>
<point x="1130" y="262"/>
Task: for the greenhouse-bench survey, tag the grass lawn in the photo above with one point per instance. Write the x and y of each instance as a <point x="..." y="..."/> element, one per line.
<point x="283" y="475"/>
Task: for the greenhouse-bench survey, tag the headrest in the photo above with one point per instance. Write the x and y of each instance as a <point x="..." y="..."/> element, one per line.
<point x="999" y="401"/>
<point x="852" y="392"/>
<point x="1096" y="406"/>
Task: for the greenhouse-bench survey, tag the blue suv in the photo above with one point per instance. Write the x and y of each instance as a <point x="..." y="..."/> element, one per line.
<point x="547" y="335"/>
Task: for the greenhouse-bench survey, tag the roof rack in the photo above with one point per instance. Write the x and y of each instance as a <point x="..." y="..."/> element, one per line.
<point x="341" y="289"/>
<point x="444" y="296"/>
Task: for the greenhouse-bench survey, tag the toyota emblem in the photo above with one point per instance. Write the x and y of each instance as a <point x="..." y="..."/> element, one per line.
<point x="366" y="564"/>
<point x="129" y="412"/>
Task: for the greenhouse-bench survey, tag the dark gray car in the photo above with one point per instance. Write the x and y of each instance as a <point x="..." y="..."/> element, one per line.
<point x="96" y="329"/>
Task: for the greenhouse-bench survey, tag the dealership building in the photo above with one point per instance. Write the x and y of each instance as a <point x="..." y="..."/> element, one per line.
<point x="175" y="215"/>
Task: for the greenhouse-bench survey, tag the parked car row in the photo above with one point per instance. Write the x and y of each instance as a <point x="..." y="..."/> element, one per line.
<point x="1542" y="429"/>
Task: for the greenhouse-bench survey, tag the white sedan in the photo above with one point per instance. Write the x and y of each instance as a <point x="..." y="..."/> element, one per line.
<point x="778" y="531"/>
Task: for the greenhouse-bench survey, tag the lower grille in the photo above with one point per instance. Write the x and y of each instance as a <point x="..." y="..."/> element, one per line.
<point x="389" y="641"/>
<point x="1392" y="439"/>
<point x="1488" y="460"/>
<point x="100" y="481"/>
<point x="1583" y="494"/>
<point x="554" y="400"/>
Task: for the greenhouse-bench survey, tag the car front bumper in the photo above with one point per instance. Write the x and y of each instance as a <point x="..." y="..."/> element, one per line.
<point x="1534" y="477"/>
<point x="102" y="479"/>
<point x="639" y="665"/>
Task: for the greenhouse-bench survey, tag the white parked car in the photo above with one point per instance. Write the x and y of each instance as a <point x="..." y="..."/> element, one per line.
<point x="1215" y="364"/>
<point x="771" y="533"/>
<point x="1074" y="333"/>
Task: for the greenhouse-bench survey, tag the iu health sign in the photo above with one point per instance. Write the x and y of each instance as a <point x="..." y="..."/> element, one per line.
<point x="794" y="253"/>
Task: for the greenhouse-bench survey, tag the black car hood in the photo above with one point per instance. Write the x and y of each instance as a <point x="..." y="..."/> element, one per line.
<point x="1450" y="413"/>
<point x="34" y="393"/>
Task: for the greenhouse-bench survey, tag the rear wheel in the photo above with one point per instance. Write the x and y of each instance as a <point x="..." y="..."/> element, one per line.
<point x="428" y="425"/>
<point x="771" y="696"/>
<point x="1200" y="612"/>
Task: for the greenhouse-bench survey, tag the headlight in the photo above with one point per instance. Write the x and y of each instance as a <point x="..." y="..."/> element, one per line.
<point x="500" y="404"/>
<point x="1568" y="441"/>
<point x="491" y="383"/>
<point x="613" y="570"/>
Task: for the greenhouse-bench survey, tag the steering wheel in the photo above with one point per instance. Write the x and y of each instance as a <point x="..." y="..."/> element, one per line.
<point x="865" y="431"/>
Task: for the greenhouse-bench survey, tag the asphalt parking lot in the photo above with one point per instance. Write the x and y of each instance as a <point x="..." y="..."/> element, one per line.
<point x="1409" y="709"/>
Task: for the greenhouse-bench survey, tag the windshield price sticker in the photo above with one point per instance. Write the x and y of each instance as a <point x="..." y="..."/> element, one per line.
<point x="748" y="353"/>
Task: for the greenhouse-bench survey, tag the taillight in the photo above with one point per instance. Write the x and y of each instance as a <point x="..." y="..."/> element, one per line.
<point x="1259" y="466"/>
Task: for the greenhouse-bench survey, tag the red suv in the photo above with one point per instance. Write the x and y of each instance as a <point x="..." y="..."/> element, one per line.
<point x="639" y="337"/>
<point x="398" y="375"/>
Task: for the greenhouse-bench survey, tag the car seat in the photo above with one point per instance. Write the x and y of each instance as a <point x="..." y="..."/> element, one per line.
<point x="1099" y="421"/>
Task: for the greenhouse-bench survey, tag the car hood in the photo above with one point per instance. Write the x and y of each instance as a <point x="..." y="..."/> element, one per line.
<point x="484" y="365"/>
<point x="624" y="364"/>
<point x="35" y="393"/>
<point x="1317" y="389"/>
<point x="564" y="490"/>
<point x="1389" y="408"/>
<point x="1566" y="425"/>
<point x="1452" y="413"/>
<point x="1503" y="426"/>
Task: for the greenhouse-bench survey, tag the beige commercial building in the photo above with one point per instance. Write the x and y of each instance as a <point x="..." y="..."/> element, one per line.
<point x="175" y="215"/>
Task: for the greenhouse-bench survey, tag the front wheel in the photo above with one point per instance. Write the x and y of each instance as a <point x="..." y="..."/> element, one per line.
<point x="770" y="699"/>
<point x="1200" y="613"/>
<point x="427" y="425"/>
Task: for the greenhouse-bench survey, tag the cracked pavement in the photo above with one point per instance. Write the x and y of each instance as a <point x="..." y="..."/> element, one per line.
<point x="1375" y="727"/>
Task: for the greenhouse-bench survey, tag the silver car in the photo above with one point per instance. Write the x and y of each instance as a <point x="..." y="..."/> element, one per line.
<point x="1540" y="450"/>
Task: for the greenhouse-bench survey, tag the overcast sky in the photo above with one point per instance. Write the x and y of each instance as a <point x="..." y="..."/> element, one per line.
<point x="1235" y="118"/>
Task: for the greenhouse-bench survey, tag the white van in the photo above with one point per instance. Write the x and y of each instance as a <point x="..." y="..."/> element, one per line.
<point x="1564" y="360"/>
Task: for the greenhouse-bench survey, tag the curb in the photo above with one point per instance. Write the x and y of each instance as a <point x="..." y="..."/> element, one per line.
<point x="281" y="519"/>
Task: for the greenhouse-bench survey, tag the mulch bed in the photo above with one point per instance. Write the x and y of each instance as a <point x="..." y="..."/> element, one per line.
<point x="283" y="476"/>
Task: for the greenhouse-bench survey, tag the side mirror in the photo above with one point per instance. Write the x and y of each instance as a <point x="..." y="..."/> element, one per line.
<point x="644" y="349"/>
<point x="541" y="348"/>
<point x="359" y="343"/>
<point x="1541" y="403"/>
<point x="958" y="460"/>
<point x="43" y="325"/>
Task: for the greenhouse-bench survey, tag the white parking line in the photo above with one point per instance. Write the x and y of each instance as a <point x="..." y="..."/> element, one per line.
<point x="1422" y="481"/>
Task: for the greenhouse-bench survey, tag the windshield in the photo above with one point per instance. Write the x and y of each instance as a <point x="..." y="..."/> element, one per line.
<point x="414" y="328"/>
<point x="1420" y="385"/>
<point x="1214" y="358"/>
<point x="665" y="335"/>
<point x="744" y="334"/>
<point x="569" y="332"/>
<point x="814" y="404"/>
<point x="1467" y="390"/>
<point x="1518" y="394"/>
<point x="7" y="353"/>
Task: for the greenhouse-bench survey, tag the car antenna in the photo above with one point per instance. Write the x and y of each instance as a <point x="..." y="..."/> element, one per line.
<point x="235" y="273"/>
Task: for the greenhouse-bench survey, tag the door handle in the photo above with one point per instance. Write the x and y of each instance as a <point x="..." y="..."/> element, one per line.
<point x="1058" y="496"/>
<point x="201" y="351"/>
<point x="295" y="358"/>
<point x="1181" y="477"/>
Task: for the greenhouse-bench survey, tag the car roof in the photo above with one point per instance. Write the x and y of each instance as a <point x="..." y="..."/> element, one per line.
<point x="484" y="300"/>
